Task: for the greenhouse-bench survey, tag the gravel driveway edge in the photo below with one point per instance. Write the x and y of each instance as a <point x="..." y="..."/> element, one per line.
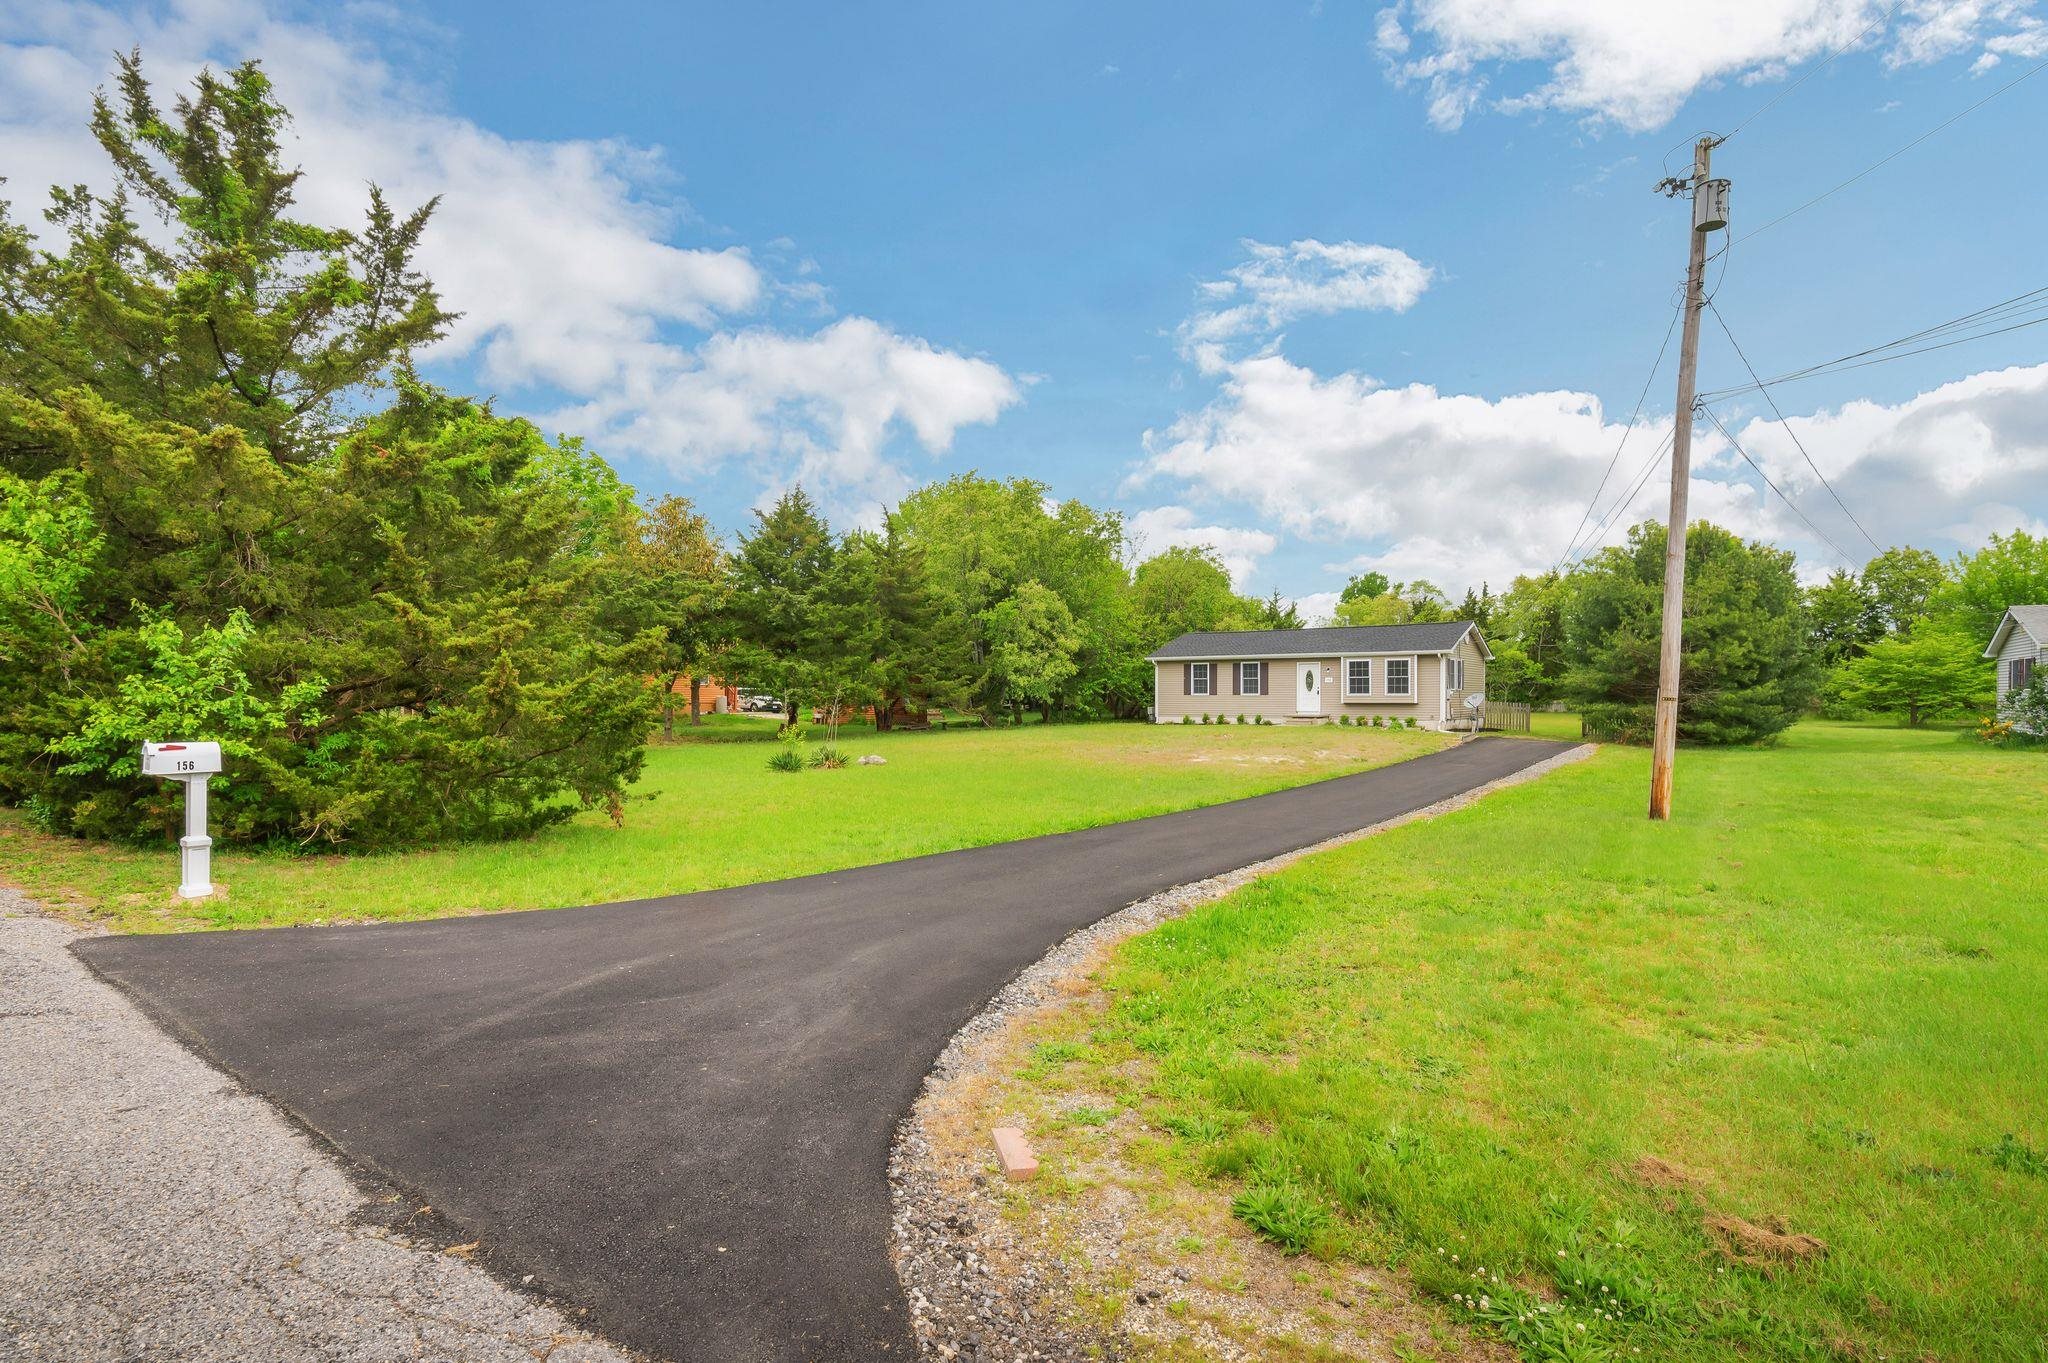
<point x="947" y="1246"/>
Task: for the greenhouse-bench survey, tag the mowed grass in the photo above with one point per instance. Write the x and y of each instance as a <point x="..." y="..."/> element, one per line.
<point x="709" y="813"/>
<point x="1818" y="1000"/>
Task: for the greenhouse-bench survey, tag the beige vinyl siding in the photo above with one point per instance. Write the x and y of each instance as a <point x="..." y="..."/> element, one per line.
<point x="1274" y="705"/>
<point x="1424" y="705"/>
<point x="1475" y="679"/>
<point x="1419" y="705"/>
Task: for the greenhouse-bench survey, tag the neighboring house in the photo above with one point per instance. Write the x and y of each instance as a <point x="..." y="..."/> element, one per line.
<point x="2020" y="644"/>
<point x="712" y="695"/>
<point x="1311" y="676"/>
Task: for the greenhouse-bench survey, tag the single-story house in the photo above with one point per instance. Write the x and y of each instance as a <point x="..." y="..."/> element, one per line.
<point x="2019" y="644"/>
<point x="1312" y="676"/>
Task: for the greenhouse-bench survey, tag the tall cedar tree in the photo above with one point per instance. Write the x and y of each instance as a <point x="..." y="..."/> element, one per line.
<point x="782" y="602"/>
<point x="905" y="654"/>
<point x="1746" y="669"/>
<point x="387" y="619"/>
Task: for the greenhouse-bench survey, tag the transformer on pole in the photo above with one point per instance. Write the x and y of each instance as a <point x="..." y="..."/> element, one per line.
<point x="1709" y="214"/>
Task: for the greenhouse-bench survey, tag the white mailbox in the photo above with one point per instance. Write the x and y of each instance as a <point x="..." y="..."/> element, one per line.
<point x="181" y="759"/>
<point x="190" y="765"/>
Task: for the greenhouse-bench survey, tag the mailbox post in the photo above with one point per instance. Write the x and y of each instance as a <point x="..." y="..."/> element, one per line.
<point x="189" y="764"/>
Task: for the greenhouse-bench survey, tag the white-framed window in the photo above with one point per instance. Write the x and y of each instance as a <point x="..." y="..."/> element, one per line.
<point x="1400" y="676"/>
<point x="1358" y="676"/>
<point x="1198" y="679"/>
<point x="1248" y="678"/>
<point x="1454" y="674"/>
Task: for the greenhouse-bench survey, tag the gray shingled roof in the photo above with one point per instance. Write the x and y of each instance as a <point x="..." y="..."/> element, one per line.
<point x="2032" y="619"/>
<point x="1328" y="642"/>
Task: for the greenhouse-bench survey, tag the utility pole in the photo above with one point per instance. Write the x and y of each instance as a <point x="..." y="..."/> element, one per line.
<point x="1709" y="213"/>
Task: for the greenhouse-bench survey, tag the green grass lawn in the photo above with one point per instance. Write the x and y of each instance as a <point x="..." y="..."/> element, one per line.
<point x="1819" y="998"/>
<point x="710" y="813"/>
<point x="1554" y="724"/>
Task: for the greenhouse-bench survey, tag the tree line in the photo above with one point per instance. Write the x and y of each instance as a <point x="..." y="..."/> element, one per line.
<point x="230" y="508"/>
<point x="1902" y="637"/>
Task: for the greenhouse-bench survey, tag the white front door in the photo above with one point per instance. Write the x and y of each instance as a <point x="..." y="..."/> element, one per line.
<point x="1308" y="700"/>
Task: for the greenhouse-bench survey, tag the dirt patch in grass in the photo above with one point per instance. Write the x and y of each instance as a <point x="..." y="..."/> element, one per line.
<point x="1662" y="1174"/>
<point x="1771" y="1245"/>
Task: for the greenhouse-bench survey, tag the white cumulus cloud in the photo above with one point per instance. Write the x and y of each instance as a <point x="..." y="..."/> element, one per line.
<point x="560" y="254"/>
<point x="1167" y="527"/>
<point x="1632" y="63"/>
<point x="1276" y="284"/>
<point x="1460" y="488"/>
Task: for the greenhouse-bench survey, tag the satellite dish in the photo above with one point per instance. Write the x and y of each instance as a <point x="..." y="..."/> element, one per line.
<point x="1475" y="702"/>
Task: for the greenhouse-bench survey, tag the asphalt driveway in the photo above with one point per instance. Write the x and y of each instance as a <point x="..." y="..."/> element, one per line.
<point x="677" y="1112"/>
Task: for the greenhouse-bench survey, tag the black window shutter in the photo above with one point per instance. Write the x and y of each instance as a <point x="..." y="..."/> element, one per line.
<point x="1236" y="680"/>
<point x="1265" y="679"/>
<point x="1187" y="688"/>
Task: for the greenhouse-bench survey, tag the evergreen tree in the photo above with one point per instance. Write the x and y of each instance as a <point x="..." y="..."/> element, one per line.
<point x="1276" y="612"/>
<point x="783" y="610"/>
<point x="1478" y="607"/>
<point x="1746" y="671"/>
<point x="904" y="654"/>
<point x="393" y="619"/>
<point x="249" y="318"/>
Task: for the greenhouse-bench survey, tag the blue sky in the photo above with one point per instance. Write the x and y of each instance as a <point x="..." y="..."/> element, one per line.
<point x="1327" y="285"/>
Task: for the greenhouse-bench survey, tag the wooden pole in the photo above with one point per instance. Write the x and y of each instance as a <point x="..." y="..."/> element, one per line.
<point x="1664" y="742"/>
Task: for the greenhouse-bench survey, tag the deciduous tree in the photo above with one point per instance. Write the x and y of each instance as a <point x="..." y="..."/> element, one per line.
<point x="1933" y="672"/>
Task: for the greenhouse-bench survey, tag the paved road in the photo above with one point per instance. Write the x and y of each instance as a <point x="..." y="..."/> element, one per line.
<point x="151" y="1211"/>
<point x="677" y="1112"/>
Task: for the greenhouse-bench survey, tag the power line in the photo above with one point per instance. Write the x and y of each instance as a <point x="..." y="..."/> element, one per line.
<point x="1813" y="71"/>
<point x="1953" y="118"/>
<point x="1626" y="499"/>
<point x="1723" y="322"/>
<point x="2031" y="305"/>
<point x="1634" y="417"/>
<point x="1715" y="418"/>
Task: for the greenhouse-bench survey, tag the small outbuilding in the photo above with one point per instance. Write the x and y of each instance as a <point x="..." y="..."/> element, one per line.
<point x="1420" y="673"/>
<point x="2019" y="645"/>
